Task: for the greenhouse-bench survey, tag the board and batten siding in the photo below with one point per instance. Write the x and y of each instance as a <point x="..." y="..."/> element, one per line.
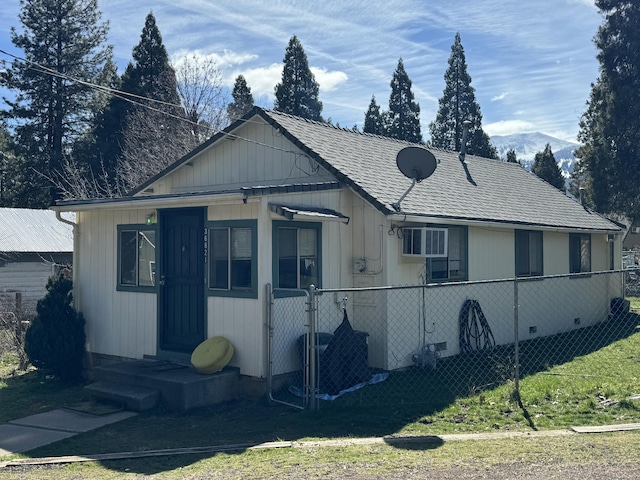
<point x="266" y="159"/>
<point x="118" y="323"/>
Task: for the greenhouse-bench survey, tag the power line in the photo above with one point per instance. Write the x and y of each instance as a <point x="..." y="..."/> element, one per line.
<point x="126" y="96"/>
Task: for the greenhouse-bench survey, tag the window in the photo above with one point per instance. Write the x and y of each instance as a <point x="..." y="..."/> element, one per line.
<point x="425" y="242"/>
<point x="453" y="266"/>
<point x="232" y="250"/>
<point x="445" y="249"/>
<point x="297" y="254"/>
<point x="136" y="258"/>
<point x="528" y="253"/>
<point x="579" y="252"/>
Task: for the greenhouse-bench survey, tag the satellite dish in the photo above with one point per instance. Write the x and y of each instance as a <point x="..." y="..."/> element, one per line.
<point x="416" y="163"/>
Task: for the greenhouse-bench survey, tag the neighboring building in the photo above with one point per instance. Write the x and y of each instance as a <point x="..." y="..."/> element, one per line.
<point x="34" y="245"/>
<point x="280" y="200"/>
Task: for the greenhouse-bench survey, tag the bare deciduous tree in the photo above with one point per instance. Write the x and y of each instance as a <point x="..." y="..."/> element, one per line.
<point x="202" y="94"/>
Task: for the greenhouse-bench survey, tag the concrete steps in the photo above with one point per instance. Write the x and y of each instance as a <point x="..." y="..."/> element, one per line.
<point x="142" y="384"/>
<point x="132" y="397"/>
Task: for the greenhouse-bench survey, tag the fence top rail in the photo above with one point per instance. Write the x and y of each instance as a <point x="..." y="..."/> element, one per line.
<point x="320" y="291"/>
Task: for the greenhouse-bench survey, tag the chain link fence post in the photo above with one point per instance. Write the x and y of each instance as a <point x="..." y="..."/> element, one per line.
<point x="312" y="389"/>
<point x="516" y="339"/>
<point x="269" y="326"/>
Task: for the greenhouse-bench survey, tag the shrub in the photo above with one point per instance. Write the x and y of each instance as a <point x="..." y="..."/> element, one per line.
<point x="55" y="340"/>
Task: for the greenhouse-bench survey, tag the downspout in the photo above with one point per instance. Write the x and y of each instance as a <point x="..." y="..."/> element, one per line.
<point x="74" y="226"/>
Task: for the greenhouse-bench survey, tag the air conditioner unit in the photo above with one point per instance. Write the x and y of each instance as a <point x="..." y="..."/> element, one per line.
<point x="425" y="242"/>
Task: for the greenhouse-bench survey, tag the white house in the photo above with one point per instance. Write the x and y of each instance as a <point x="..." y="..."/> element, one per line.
<point x="34" y="246"/>
<point x="280" y="200"/>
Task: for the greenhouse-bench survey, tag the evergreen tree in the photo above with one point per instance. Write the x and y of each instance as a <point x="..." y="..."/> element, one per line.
<point x="403" y="116"/>
<point x="242" y="99"/>
<point x="297" y="94"/>
<point x="609" y="159"/>
<point x="546" y="167"/>
<point x="151" y="76"/>
<point x="55" y="339"/>
<point x="63" y="41"/>
<point x="457" y="104"/>
<point x="374" y="119"/>
<point x="511" y="156"/>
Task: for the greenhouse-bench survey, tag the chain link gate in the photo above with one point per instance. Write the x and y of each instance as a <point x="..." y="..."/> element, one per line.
<point x="290" y="327"/>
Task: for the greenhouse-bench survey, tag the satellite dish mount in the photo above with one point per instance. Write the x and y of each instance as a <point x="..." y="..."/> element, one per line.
<point x="417" y="164"/>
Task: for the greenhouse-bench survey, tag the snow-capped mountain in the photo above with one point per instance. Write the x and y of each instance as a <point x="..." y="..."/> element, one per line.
<point x="526" y="145"/>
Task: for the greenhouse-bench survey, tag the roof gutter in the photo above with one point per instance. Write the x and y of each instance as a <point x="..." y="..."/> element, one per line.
<point x="155" y="202"/>
<point x="493" y="224"/>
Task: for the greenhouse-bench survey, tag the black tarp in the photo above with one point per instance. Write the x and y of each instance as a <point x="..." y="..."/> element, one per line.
<point x="344" y="363"/>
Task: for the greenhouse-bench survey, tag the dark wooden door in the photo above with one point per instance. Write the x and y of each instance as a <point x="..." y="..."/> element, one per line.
<point x="182" y="293"/>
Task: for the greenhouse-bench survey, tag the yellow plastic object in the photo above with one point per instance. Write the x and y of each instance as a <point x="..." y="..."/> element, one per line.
<point x="212" y="355"/>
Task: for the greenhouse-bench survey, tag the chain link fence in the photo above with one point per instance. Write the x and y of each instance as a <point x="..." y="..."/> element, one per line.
<point x="14" y="321"/>
<point x="437" y="342"/>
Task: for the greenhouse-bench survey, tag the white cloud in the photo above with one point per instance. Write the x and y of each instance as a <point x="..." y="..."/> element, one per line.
<point x="261" y="80"/>
<point x="225" y="60"/>
<point x="508" y="127"/>
<point x="327" y="80"/>
<point x="499" y="97"/>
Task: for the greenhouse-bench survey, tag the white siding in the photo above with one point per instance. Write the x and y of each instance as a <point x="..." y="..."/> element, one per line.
<point x="28" y="278"/>
<point x="118" y="323"/>
<point x="268" y="158"/>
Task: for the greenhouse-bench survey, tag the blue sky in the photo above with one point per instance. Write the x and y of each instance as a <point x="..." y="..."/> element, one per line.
<point x="532" y="62"/>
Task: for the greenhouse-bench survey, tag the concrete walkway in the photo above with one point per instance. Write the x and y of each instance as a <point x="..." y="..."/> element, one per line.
<point x="34" y="431"/>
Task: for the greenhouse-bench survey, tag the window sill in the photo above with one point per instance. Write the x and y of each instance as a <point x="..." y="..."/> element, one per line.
<point x="136" y="289"/>
<point x="233" y="293"/>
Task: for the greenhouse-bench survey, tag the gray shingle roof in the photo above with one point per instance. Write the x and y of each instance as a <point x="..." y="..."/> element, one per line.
<point x="25" y="230"/>
<point x="479" y="190"/>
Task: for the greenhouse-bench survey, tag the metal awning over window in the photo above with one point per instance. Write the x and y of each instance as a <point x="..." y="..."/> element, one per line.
<point x="308" y="213"/>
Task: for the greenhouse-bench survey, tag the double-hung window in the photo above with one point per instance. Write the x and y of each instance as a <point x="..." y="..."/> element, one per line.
<point x="579" y="252"/>
<point x="297" y="254"/>
<point x="232" y="252"/>
<point x="136" y="258"/>
<point x="528" y="253"/>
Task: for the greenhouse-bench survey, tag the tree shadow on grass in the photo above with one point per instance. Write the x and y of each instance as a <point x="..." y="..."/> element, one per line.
<point x="381" y="410"/>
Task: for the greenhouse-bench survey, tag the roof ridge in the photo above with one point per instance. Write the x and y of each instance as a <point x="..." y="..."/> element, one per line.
<point x="344" y="129"/>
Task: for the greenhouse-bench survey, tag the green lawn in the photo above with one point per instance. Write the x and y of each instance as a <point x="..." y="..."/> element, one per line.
<point x="597" y="383"/>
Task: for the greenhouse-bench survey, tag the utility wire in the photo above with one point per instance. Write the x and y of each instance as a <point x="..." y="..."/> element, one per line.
<point x="129" y="97"/>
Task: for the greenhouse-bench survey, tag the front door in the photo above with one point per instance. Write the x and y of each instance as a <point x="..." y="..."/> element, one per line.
<point x="182" y="284"/>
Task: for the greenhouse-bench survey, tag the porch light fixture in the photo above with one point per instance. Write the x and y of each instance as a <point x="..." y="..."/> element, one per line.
<point x="150" y="218"/>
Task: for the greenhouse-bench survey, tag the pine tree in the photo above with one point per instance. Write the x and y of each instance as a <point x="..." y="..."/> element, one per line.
<point x="511" y="156"/>
<point x="457" y="104"/>
<point x="63" y="41"/>
<point x="374" y="119"/>
<point x="242" y="99"/>
<point x="403" y="116"/>
<point x="297" y="94"/>
<point x="546" y="167"/>
<point x="150" y="76"/>
<point x="609" y="159"/>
